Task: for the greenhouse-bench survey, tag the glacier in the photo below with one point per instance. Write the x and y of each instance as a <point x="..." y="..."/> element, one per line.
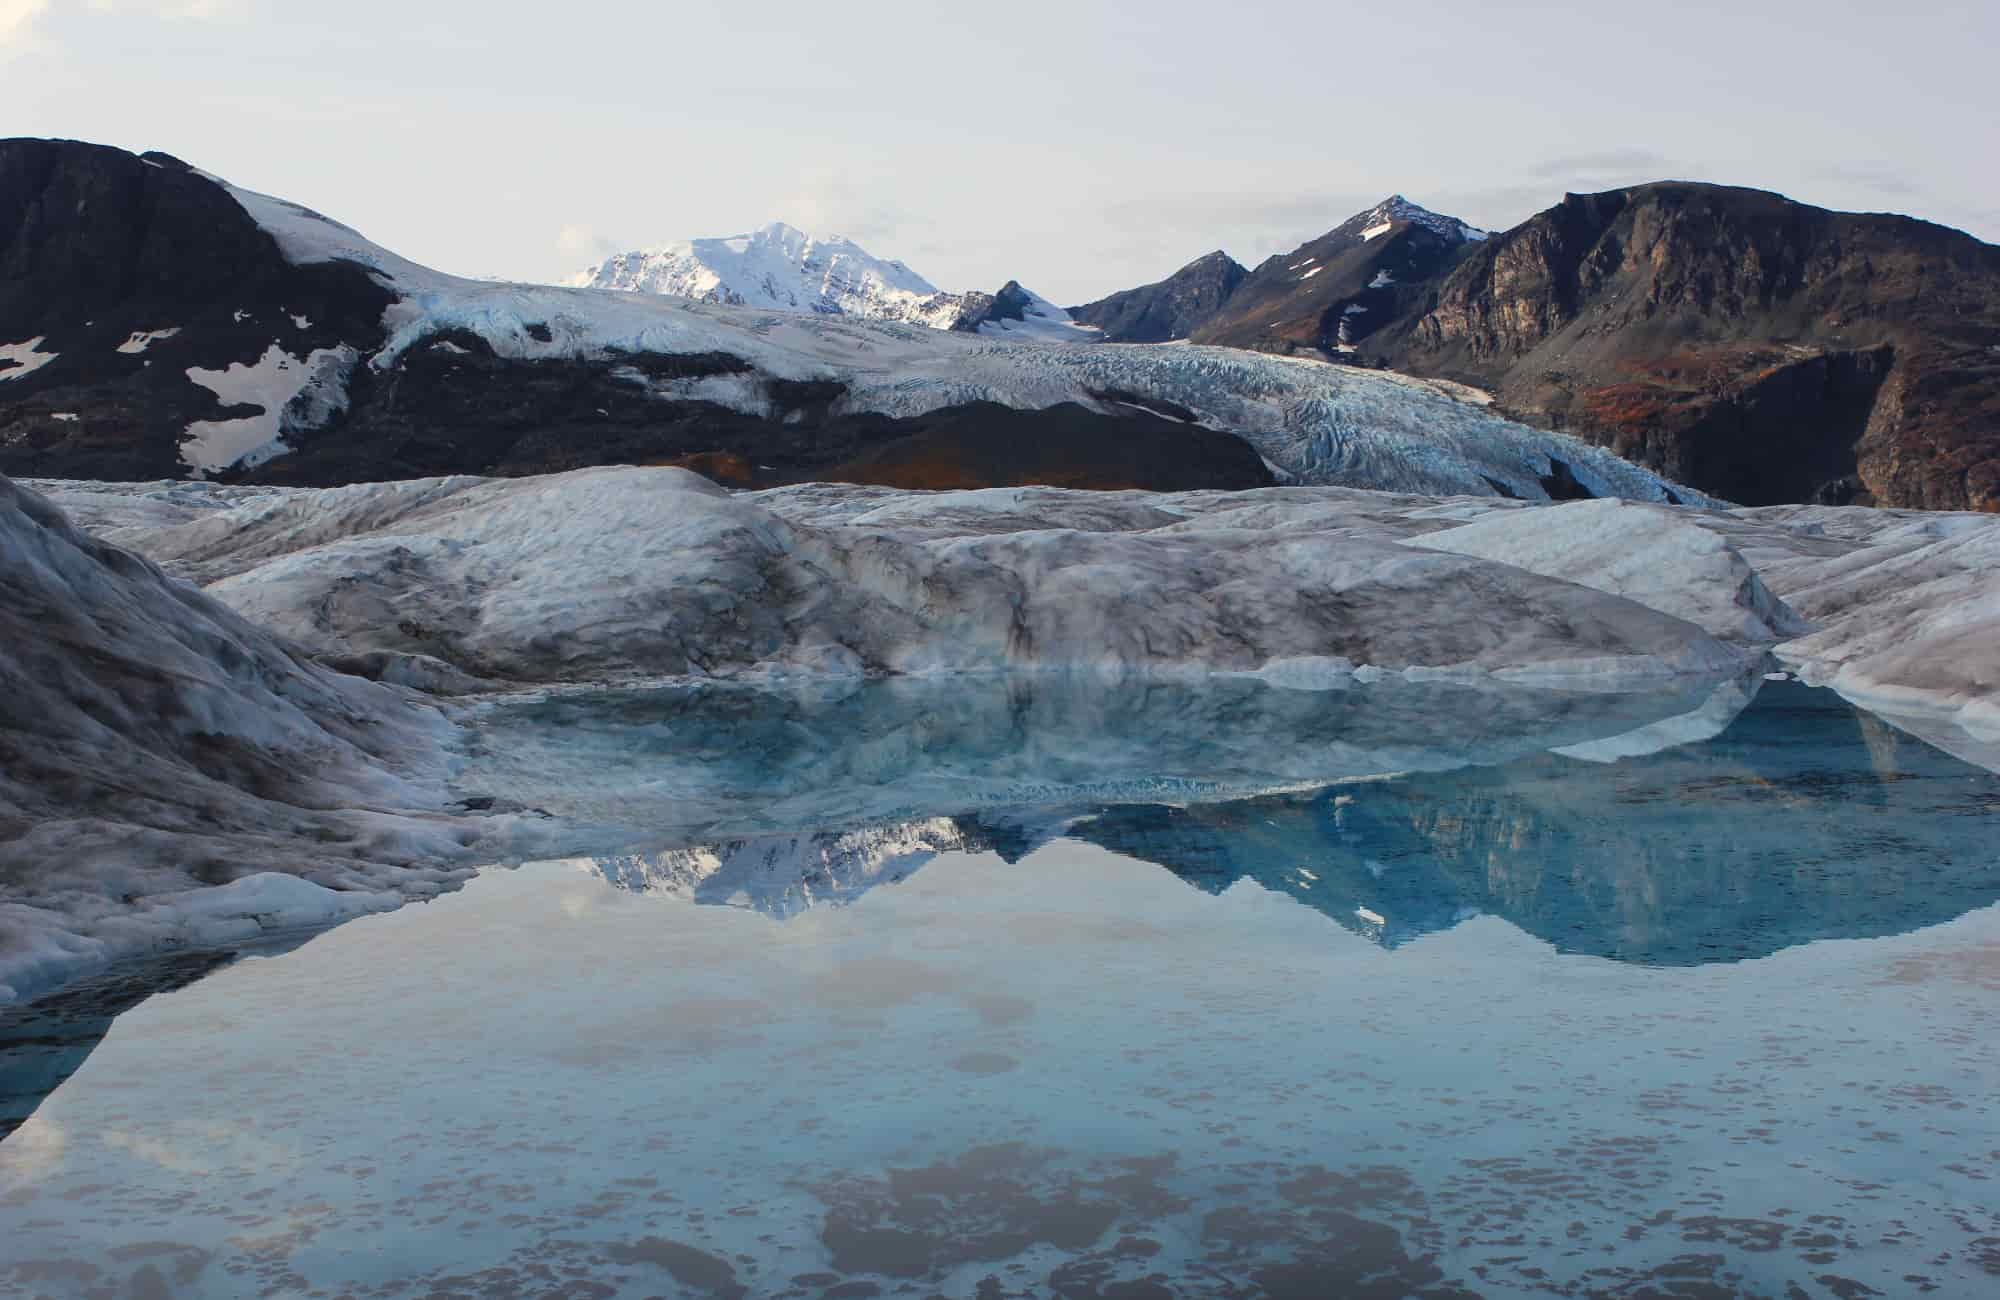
<point x="1314" y="422"/>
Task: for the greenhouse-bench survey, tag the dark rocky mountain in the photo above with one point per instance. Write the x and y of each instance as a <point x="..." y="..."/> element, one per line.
<point x="1322" y="297"/>
<point x="1758" y="348"/>
<point x="1332" y="293"/>
<point x="1171" y="309"/>
<point x="120" y="275"/>
<point x="100" y="248"/>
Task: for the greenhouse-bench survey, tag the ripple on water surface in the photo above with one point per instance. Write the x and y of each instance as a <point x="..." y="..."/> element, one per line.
<point x="1716" y="1020"/>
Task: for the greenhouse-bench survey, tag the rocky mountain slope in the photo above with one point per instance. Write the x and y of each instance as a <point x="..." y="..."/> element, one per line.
<point x="1766" y="350"/>
<point x="1169" y="310"/>
<point x="1321" y="298"/>
<point x="1760" y="349"/>
<point x="299" y="352"/>
<point x="1331" y="293"/>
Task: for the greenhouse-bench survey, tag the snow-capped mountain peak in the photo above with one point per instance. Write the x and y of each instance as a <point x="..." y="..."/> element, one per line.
<point x="780" y="266"/>
<point x="1381" y="218"/>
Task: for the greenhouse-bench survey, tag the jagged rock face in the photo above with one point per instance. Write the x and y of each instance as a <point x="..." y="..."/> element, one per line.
<point x="1760" y="349"/>
<point x="1171" y="309"/>
<point x="1331" y="294"/>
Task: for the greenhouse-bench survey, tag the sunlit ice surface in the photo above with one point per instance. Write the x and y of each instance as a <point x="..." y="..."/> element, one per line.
<point x="902" y="1000"/>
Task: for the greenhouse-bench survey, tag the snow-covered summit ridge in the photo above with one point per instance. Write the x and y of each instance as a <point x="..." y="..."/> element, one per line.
<point x="784" y="268"/>
<point x="1379" y="219"/>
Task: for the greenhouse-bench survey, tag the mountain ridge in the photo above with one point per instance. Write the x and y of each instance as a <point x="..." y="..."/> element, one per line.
<point x="1760" y="348"/>
<point x="782" y="267"/>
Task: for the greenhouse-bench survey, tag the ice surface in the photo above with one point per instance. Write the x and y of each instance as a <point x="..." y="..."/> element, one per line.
<point x="1656" y="555"/>
<point x="683" y="578"/>
<point x="1906" y="607"/>
<point x="1892" y="607"/>
<point x="153" y="742"/>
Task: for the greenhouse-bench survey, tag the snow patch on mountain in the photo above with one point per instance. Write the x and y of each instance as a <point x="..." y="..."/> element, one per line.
<point x="143" y="339"/>
<point x="1379" y="219"/>
<point x="1021" y="313"/>
<point x="294" y="393"/>
<point x="27" y="357"/>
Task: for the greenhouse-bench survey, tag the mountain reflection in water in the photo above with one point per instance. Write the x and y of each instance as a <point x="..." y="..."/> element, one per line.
<point x="1805" y="819"/>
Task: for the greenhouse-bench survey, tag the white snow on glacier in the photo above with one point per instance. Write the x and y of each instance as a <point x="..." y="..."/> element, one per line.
<point x="1315" y="422"/>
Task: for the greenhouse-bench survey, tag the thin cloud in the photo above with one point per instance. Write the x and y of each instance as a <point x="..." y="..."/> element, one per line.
<point x="1876" y="177"/>
<point x="198" y="9"/>
<point x="20" y="19"/>
<point x="17" y="21"/>
<point x="580" y="245"/>
<point x="1609" y="162"/>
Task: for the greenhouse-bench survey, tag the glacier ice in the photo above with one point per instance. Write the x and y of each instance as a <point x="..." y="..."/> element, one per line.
<point x="152" y="742"/>
<point x="685" y="578"/>
<point x="1316" y="422"/>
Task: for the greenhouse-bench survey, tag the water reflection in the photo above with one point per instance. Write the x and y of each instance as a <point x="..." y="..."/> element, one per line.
<point x="963" y="1026"/>
<point x="1805" y="819"/>
<point x="639" y="771"/>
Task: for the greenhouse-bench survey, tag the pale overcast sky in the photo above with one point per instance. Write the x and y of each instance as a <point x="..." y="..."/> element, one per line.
<point x="1078" y="146"/>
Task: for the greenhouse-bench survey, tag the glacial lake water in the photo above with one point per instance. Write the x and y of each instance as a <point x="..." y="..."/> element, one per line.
<point x="1240" y="993"/>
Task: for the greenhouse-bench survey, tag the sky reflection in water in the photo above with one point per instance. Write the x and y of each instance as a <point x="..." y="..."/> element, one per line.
<point x="1713" y="1020"/>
